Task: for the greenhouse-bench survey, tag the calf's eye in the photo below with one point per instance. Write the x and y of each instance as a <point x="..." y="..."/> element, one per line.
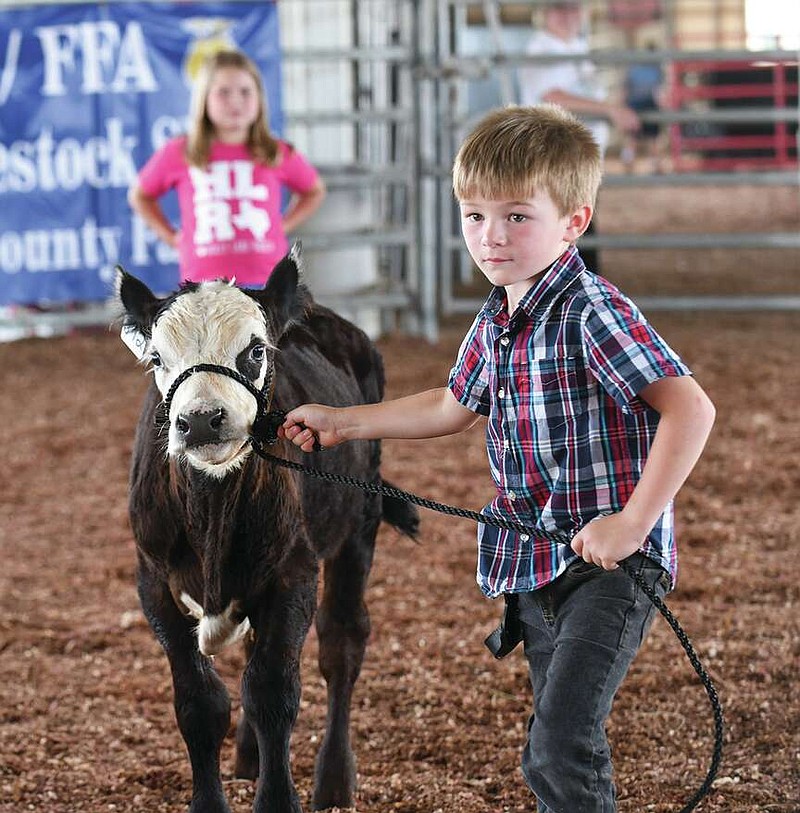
<point x="155" y="359"/>
<point x="250" y="360"/>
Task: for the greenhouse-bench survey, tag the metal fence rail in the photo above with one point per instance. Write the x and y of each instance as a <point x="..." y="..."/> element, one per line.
<point x="408" y="113"/>
<point x="454" y="73"/>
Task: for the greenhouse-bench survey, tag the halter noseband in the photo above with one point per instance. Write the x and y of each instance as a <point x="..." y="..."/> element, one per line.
<point x="266" y="423"/>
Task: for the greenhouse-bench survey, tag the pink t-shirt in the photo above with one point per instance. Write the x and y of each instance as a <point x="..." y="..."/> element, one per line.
<point x="230" y="212"/>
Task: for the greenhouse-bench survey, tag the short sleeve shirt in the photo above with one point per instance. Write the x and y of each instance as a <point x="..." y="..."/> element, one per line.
<point x="568" y="433"/>
<point x="230" y="211"/>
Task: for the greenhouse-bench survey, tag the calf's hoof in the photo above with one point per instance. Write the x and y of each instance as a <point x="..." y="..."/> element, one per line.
<point x="246" y="765"/>
<point x="335" y="785"/>
<point x="215" y="804"/>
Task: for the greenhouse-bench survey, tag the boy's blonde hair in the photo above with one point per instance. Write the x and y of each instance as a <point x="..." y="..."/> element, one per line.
<point x="261" y="144"/>
<point x="516" y="151"/>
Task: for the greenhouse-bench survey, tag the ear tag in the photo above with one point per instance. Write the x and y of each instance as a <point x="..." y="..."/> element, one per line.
<point x="135" y="339"/>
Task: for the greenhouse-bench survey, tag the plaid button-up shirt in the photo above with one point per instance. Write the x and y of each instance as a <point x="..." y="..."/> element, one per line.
<point x="568" y="434"/>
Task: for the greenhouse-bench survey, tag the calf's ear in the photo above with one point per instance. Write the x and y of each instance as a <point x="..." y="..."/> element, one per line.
<point x="138" y="303"/>
<point x="284" y="297"/>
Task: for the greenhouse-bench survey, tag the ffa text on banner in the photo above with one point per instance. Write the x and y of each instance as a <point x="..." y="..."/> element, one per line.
<point x="87" y="93"/>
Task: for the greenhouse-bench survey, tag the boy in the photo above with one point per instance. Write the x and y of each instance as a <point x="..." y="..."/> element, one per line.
<point x="593" y="425"/>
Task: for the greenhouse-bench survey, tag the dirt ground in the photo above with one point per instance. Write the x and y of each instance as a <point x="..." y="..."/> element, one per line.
<point x="86" y="719"/>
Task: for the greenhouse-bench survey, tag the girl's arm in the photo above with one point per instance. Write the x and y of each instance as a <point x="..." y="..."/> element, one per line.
<point x="687" y="416"/>
<point x="428" y="414"/>
<point x="302" y="206"/>
<point x="150" y="211"/>
<point x="620" y="115"/>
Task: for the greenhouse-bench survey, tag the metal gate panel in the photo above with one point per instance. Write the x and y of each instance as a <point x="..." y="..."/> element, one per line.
<point x="455" y="72"/>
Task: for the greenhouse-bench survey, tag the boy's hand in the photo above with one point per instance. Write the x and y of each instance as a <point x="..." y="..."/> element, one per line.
<point x="607" y="540"/>
<point x="310" y="424"/>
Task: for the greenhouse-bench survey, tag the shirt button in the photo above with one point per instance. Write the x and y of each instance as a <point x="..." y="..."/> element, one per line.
<point x="504" y="340"/>
<point x="512" y="496"/>
<point x="524" y="537"/>
<point x="501" y="393"/>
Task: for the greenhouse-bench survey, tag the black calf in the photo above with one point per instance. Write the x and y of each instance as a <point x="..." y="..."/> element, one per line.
<point x="227" y="540"/>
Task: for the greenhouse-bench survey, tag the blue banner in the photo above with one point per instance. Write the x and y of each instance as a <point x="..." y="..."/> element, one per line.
<point x="87" y="93"/>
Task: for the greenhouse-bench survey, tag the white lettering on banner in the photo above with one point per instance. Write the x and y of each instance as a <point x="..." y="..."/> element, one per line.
<point x="222" y="200"/>
<point x="165" y="128"/>
<point x="43" y="250"/>
<point x="46" y="164"/>
<point x="10" y="64"/>
<point x="133" y="69"/>
<point x="110" y="63"/>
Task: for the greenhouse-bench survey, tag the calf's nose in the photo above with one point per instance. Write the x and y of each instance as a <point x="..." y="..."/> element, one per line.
<point x="197" y="428"/>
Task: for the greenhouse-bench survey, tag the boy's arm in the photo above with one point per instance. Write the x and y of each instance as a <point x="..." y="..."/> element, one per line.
<point x="687" y="416"/>
<point x="428" y="414"/>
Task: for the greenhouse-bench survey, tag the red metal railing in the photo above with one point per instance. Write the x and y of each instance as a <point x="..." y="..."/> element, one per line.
<point x="695" y="85"/>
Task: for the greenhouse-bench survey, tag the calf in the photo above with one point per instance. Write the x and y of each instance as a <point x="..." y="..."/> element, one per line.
<point x="228" y="544"/>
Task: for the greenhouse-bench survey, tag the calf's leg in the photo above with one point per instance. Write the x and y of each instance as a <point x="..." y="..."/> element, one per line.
<point x="202" y="705"/>
<point x="271" y="691"/>
<point x="343" y="628"/>
<point x="246" y="766"/>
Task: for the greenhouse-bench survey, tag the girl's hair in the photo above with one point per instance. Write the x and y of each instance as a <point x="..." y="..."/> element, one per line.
<point x="516" y="151"/>
<point x="262" y="145"/>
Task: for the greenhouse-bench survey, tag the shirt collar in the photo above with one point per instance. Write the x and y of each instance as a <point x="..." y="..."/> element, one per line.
<point x="555" y="279"/>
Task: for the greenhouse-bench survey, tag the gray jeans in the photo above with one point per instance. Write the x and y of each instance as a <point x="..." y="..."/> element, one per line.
<point x="581" y="633"/>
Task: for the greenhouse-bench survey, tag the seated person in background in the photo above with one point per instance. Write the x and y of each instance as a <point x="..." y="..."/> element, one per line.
<point x="573" y="83"/>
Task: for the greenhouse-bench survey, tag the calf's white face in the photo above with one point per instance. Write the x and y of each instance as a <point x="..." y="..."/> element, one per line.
<point x="214" y="324"/>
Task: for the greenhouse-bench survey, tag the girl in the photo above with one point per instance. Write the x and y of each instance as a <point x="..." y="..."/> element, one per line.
<point x="229" y="173"/>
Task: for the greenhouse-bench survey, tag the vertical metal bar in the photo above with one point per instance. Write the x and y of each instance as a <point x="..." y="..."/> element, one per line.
<point x="430" y="206"/>
<point x="355" y="71"/>
<point x="444" y="51"/>
<point x="675" y="78"/>
<point x="397" y="260"/>
<point x="675" y="141"/>
<point x="424" y="314"/>
<point x="797" y="131"/>
<point x="779" y="100"/>
<point x="492" y="16"/>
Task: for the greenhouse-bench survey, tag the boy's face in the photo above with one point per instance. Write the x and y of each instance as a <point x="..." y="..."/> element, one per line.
<point x="513" y="241"/>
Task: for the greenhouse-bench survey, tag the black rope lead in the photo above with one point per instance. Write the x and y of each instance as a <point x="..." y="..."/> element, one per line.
<point x="552" y="536"/>
<point x="265" y="430"/>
